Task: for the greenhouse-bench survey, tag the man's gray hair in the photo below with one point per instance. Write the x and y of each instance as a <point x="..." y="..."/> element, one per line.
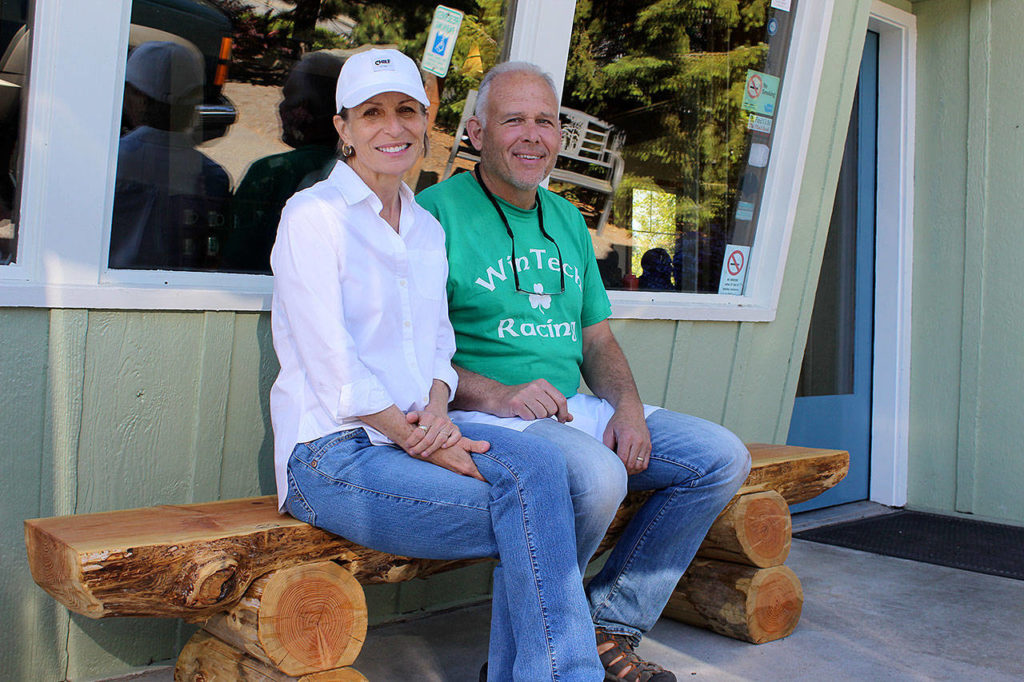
<point x="508" y="67"/>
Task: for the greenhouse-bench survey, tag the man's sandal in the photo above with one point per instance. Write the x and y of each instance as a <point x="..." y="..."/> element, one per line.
<point x="622" y="664"/>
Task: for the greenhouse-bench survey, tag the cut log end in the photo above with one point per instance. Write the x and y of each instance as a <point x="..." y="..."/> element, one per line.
<point x="58" y="571"/>
<point x="774" y="603"/>
<point x="754" y="529"/>
<point x="304" y="619"/>
<point x="313" y="617"/>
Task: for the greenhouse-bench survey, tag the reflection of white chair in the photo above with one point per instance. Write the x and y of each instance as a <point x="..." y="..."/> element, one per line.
<point x="590" y="145"/>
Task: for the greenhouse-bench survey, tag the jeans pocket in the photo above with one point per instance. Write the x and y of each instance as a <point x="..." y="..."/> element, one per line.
<point x="295" y="503"/>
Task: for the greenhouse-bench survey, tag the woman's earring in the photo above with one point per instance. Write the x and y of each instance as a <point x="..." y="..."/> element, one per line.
<point x="347" y="150"/>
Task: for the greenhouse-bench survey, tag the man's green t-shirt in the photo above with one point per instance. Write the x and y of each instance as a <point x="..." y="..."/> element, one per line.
<point x="505" y="335"/>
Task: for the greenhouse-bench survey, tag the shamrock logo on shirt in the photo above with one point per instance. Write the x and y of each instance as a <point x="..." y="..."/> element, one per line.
<point x="540" y="299"/>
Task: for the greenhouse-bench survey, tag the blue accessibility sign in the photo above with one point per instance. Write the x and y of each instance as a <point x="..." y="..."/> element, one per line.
<point x="440" y="44"/>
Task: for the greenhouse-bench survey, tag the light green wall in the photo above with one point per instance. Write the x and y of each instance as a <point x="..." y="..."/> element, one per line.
<point x="967" y="341"/>
<point x="109" y="410"/>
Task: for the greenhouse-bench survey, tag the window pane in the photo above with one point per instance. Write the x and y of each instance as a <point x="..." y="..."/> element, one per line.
<point x="14" y="48"/>
<point x="228" y="111"/>
<point x="677" y="100"/>
<point x="828" y="364"/>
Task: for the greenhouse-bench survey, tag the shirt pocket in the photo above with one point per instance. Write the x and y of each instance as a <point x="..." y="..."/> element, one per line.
<point x="428" y="268"/>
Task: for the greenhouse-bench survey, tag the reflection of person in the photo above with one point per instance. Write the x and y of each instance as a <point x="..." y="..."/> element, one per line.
<point x="363" y="444"/>
<point x="611" y="274"/>
<point x="657" y="269"/>
<point x="170" y="200"/>
<point x="525" y="333"/>
<point x="307" y="112"/>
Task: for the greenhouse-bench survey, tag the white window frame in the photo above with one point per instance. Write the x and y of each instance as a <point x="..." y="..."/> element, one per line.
<point x="73" y="113"/>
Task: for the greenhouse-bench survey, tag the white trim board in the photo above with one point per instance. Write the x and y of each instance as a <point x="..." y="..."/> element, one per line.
<point x="894" y="239"/>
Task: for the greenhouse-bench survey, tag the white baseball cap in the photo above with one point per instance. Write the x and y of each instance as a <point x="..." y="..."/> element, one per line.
<point x="374" y="71"/>
<point x="167" y="72"/>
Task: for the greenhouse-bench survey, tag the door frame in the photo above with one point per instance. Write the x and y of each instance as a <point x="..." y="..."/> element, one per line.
<point x="894" y="240"/>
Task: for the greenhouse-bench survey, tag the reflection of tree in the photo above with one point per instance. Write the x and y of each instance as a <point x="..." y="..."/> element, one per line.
<point x="405" y="23"/>
<point x="671" y="73"/>
<point x="266" y="44"/>
<point x="306" y="14"/>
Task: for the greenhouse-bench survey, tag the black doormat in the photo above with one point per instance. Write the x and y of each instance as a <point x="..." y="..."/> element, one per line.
<point x="944" y="540"/>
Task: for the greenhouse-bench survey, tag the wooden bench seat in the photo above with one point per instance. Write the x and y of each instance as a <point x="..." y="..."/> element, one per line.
<point x="195" y="561"/>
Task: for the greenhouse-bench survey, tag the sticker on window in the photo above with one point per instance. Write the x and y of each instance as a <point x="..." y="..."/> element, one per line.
<point x="760" y="92"/>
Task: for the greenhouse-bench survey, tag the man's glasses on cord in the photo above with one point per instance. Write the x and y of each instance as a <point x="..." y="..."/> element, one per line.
<point x="508" y="228"/>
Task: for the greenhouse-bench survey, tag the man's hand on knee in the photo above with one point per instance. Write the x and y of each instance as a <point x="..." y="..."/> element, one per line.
<point x="535" y="400"/>
<point x="628" y="436"/>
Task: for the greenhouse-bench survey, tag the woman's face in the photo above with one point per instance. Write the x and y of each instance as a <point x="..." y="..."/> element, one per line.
<point x="386" y="132"/>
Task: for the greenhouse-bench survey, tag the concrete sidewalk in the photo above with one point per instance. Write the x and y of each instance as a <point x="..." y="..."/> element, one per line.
<point x="865" y="617"/>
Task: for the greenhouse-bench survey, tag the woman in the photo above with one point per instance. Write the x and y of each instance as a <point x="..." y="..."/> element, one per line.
<point x="363" y="444"/>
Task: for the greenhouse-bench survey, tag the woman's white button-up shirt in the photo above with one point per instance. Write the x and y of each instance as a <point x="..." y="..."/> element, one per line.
<point x="359" y="315"/>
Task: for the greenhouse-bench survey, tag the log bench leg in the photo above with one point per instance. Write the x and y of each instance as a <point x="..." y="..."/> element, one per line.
<point x="753" y="529"/>
<point x="207" y="659"/>
<point x="299" y="621"/>
<point x="757" y="605"/>
<point x="737" y="585"/>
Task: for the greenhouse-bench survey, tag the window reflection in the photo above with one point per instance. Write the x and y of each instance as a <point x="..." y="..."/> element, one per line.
<point x="205" y="190"/>
<point x="170" y="200"/>
<point x="306" y="114"/>
<point x="691" y="89"/>
<point x="14" y="51"/>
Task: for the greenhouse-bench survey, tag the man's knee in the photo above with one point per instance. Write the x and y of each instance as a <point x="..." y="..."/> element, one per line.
<point x="735" y="457"/>
<point x="708" y="446"/>
<point x="599" y="487"/>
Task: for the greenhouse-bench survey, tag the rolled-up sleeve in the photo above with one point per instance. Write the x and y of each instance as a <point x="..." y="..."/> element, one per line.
<point x="307" y="285"/>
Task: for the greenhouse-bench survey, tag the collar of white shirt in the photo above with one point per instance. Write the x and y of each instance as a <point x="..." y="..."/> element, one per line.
<point x="354" y="190"/>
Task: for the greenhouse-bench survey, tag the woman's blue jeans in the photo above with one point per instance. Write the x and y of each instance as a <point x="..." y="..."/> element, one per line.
<point x="380" y="497"/>
<point x="696" y="467"/>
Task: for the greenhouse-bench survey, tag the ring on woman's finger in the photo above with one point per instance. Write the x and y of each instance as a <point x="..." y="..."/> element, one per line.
<point x="421" y="426"/>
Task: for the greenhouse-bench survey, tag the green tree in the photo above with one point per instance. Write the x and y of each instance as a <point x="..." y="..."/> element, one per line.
<point x="671" y="74"/>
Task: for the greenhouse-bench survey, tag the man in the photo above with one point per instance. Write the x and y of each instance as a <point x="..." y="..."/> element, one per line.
<point x="530" y="315"/>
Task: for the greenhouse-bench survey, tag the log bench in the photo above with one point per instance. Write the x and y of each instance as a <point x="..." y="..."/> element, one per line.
<point x="281" y="600"/>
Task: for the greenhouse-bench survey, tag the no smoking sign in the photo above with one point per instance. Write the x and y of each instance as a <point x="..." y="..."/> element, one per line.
<point x="760" y="93"/>
<point x="734" y="270"/>
<point x="735" y="263"/>
<point x="755" y="86"/>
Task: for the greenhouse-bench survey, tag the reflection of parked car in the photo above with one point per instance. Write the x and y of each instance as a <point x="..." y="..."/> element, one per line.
<point x="192" y="22"/>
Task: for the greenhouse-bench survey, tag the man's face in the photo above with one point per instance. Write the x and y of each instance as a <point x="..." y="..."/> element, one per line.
<point x="520" y="141"/>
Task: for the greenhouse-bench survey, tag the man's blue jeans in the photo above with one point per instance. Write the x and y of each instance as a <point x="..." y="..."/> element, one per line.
<point x="380" y="497"/>
<point x="696" y="467"/>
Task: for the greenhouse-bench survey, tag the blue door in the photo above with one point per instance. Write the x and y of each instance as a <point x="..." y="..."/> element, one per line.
<point x="833" y="404"/>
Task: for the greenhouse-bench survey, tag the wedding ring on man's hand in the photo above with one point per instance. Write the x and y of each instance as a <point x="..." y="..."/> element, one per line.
<point x="421" y="426"/>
